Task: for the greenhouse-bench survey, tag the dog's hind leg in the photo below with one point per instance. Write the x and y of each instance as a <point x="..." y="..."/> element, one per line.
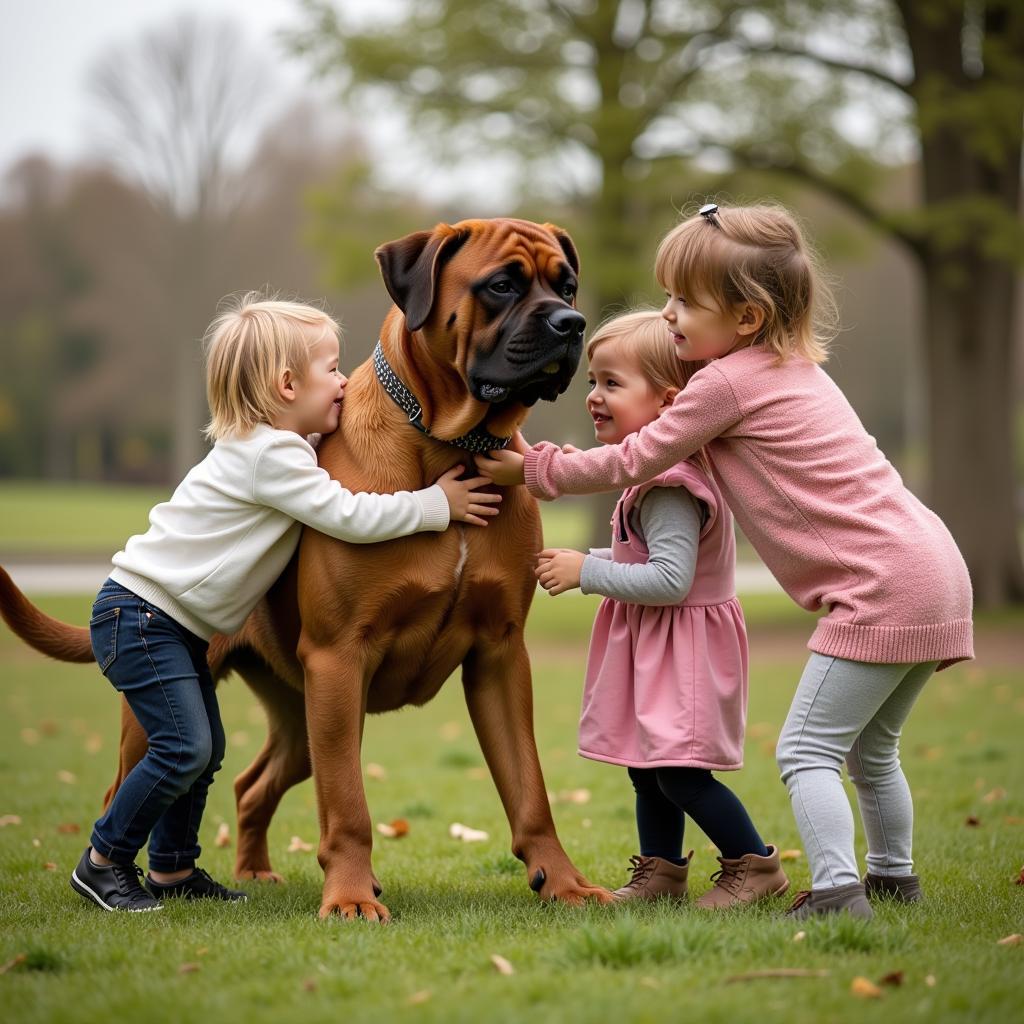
<point x="282" y="763"/>
<point x="133" y="747"/>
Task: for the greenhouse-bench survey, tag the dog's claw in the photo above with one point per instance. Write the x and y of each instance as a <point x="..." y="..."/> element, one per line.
<point x="538" y="880"/>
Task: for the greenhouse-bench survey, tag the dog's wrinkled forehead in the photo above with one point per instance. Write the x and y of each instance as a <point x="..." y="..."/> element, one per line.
<point x="521" y="247"/>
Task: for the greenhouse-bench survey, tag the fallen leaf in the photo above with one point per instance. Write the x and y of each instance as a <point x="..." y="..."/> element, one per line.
<point x="993" y="795"/>
<point x="29" y="737"/>
<point x="189" y="968"/>
<point x="864" y="989"/>
<point x="791" y="854"/>
<point x="468" y="835"/>
<point x="501" y="965"/>
<point x="575" y="796"/>
<point x="450" y="731"/>
<point x="418" y="998"/>
<point x="239" y="738"/>
<point x="1011" y="819"/>
<point x="779" y="972"/>
<point x="14" y="962"/>
<point x="929" y="980"/>
<point x="477" y="772"/>
<point x="648" y="982"/>
<point x="1020" y="877"/>
<point x="65" y="776"/>
<point x="94" y="743"/>
<point x="202" y="951"/>
<point x="309" y="985"/>
<point x="586" y="823"/>
<point x="376" y="771"/>
<point x="800" y="936"/>
<point x="69" y="828"/>
<point x="36" y="843"/>
<point x="298" y="846"/>
<point x="49" y="866"/>
<point x="972" y="822"/>
<point x="9" y="819"/>
<point x="48" y="727"/>
<point x="1011" y="940"/>
<point x="894" y="978"/>
<point x="223" y="837"/>
<point x="395" y="829"/>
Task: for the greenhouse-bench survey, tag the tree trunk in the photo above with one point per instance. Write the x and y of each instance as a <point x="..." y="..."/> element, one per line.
<point x="970" y="420"/>
<point x="969" y="296"/>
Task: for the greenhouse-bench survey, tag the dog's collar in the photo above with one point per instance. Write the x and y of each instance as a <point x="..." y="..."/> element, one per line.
<point x="477" y="440"/>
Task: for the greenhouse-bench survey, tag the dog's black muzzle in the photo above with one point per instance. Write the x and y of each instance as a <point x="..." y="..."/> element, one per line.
<point x="535" y="358"/>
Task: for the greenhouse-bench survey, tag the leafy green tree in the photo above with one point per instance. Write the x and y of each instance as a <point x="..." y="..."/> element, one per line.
<point x="582" y="94"/>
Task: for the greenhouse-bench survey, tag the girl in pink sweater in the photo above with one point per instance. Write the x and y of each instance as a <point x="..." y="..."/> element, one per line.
<point x="827" y="513"/>
<point x="666" y="688"/>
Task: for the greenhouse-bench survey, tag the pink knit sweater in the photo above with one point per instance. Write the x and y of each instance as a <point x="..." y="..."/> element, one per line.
<point x="826" y="511"/>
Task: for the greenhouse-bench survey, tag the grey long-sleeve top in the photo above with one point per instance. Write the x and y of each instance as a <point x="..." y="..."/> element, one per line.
<point x="668" y="520"/>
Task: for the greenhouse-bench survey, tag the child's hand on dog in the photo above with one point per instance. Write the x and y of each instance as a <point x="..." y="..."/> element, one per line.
<point x="503" y="467"/>
<point x="466" y="504"/>
<point x="558" y="569"/>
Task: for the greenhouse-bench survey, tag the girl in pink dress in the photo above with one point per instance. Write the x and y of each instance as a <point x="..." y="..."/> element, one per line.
<point x="827" y="513"/>
<point x="666" y="686"/>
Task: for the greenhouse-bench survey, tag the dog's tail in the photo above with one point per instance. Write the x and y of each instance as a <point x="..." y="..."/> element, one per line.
<point x="50" y="636"/>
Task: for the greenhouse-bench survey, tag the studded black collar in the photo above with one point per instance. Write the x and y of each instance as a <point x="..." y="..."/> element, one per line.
<point x="477" y="440"/>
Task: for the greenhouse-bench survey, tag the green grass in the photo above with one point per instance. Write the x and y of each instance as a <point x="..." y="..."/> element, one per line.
<point x="57" y="518"/>
<point x="456" y="904"/>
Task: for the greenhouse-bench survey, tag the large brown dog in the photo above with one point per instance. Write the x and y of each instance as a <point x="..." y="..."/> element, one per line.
<point x="483" y="325"/>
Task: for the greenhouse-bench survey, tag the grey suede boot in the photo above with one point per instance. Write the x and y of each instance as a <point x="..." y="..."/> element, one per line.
<point x="654" y="878"/>
<point x="849" y="899"/>
<point x="900" y="888"/>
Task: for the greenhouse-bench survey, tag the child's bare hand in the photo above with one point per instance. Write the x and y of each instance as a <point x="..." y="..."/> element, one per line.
<point x="558" y="569"/>
<point x="502" y="467"/>
<point x="466" y="503"/>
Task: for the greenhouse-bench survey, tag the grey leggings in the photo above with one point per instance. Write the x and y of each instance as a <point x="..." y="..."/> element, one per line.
<point x="852" y="711"/>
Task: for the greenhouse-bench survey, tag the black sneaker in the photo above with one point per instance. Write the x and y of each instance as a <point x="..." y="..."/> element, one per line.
<point x="116" y="887"/>
<point x="197" y="886"/>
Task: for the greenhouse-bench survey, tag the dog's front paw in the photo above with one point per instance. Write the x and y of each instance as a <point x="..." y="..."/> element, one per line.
<point x="353" y="901"/>
<point x="567" y="886"/>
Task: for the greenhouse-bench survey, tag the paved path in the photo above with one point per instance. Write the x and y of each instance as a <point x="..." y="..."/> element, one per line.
<point x="86" y="579"/>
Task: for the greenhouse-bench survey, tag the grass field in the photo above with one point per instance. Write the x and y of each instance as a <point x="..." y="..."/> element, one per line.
<point x="456" y="904"/>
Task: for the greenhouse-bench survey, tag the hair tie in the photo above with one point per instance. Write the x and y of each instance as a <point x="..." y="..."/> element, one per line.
<point x="708" y="212"/>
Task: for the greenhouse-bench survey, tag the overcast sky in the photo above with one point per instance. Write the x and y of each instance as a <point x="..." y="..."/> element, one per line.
<point x="48" y="47"/>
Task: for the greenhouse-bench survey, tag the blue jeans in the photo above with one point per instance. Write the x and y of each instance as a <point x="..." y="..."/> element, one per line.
<point x="160" y="668"/>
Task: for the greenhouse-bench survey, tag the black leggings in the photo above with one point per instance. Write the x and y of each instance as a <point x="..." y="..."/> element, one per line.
<point x="665" y="795"/>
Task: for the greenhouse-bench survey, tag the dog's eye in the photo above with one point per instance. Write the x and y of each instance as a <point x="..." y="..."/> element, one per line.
<point x="569" y="290"/>
<point x="501" y="286"/>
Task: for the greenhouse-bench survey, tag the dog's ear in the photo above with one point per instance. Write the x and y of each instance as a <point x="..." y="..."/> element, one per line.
<point x="571" y="255"/>
<point x="410" y="267"/>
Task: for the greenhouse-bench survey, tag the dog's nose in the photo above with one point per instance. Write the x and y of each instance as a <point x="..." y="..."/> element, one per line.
<point x="566" y="322"/>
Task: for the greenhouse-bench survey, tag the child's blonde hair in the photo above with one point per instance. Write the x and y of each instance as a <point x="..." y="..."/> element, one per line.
<point x="755" y="255"/>
<point x="252" y="341"/>
<point x="644" y="336"/>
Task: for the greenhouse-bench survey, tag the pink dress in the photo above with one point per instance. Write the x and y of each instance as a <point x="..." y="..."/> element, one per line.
<point x="667" y="685"/>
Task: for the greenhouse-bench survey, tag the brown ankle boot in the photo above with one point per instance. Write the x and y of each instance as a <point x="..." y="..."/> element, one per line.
<point x="654" y="877"/>
<point x="901" y="888"/>
<point x="746" y="880"/>
<point x="849" y="899"/>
